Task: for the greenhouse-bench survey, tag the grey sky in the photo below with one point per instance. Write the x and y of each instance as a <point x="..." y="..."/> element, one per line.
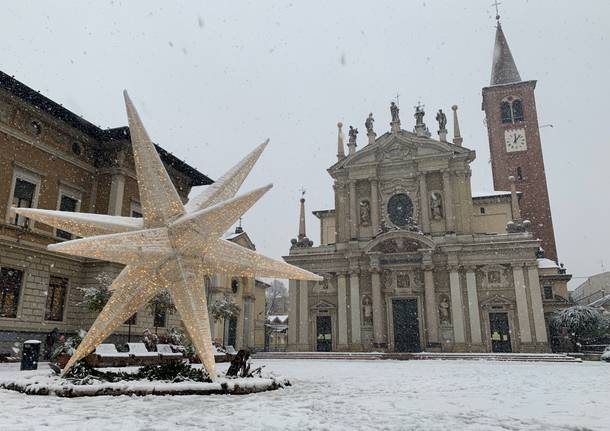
<point x="214" y="79"/>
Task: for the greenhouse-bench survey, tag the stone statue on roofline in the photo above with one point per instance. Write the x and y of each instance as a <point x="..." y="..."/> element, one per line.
<point x="369" y="124"/>
<point x="394" y="110"/>
<point x="353" y="133"/>
<point x="442" y="120"/>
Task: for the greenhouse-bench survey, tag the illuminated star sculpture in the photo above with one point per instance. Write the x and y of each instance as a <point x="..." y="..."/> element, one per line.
<point x="172" y="247"/>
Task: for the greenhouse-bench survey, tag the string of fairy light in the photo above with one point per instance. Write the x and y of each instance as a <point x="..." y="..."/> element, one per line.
<point x="173" y="247"/>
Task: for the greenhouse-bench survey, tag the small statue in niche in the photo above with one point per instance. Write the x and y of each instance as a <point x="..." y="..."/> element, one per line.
<point x="365" y="213"/>
<point x="436" y="205"/>
<point x="367" y="310"/>
<point x="368" y="123"/>
<point x="443" y="310"/>
<point x="394" y="110"/>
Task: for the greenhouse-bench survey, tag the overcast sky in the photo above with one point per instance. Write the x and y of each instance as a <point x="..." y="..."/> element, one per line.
<point x="214" y="79"/>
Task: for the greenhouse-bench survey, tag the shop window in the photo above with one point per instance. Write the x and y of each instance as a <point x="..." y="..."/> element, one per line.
<point x="56" y="298"/>
<point x="10" y="286"/>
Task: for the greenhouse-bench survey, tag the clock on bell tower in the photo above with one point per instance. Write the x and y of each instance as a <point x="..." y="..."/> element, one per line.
<point x="514" y="142"/>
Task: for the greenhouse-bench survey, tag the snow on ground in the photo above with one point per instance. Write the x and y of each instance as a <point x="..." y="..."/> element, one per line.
<point x="351" y="395"/>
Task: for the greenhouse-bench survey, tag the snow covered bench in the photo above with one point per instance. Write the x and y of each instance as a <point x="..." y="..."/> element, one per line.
<point x="107" y="354"/>
<point x="140" y="353"/>
<point x="166" y="352"/>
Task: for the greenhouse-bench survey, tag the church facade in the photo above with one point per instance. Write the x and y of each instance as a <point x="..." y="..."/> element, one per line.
<point x="412" y="260"/>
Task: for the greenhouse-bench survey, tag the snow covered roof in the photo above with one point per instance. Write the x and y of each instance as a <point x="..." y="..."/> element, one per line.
<point x="600" y="302"/>
<point x="547" y="263"/>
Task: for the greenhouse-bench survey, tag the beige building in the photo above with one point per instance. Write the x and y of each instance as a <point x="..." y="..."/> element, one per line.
<point x="412" y="260"/>
<point x="593" y="289"/>
<point x="51" y="158"/>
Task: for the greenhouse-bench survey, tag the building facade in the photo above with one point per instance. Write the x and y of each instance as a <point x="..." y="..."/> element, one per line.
<point x="51" y="158"/>
<point x="412" y="260"/>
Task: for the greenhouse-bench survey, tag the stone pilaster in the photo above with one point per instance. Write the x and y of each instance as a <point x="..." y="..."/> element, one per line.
<point x="457" y="306"/>
<point x="423" y="204"/>
<point x="536" y="301"/>
<point x="117" y="190"/>
<point x="448" y="194"/>
<point x="431" y="308"/>
<point x="293" y="322"/>
<point x="378" y="332"/>
<point x="473" y="307"/>
<point x="354" y="288"/>
<point x="342" y="342"/>
<point x="304" y="315"/>
<point x="353" y="210"/>
<point x="525" y="333"/>
<point x="374" y="206"/>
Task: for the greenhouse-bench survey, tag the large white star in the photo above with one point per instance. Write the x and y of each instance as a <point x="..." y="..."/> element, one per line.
<point x="173" y="246"/>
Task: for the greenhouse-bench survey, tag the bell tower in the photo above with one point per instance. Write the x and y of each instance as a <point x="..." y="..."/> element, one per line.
<point x="514" y="141"/>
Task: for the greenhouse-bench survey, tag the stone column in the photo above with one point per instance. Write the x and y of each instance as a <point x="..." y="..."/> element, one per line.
<point x="448" y="195"/>
<point x="342" y="312"/>
<point x="374" y="206"/>
<point x="536" y="301"/>
<point x="354" y="290"/>
<point x="293" y="294"/>
<point x="378" y="338"/>
<point x="304" y="314"/>
<point x="424" y="211"/>
<point x="473" y="307"/>
<point x="457" y="307"/>
<point x="521" y="299"/>
<point x="353" y="210"/>
<point x="117" y="190"/>
<point x="431" y="307"/>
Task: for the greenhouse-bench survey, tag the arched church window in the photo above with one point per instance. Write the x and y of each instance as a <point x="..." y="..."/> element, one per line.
<point x="519" y="173"/>
<point x="505" y="112"/>
<point x="517" y="111"/>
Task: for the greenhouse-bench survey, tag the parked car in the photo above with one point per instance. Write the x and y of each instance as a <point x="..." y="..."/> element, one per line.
<point x="606" y="355"/>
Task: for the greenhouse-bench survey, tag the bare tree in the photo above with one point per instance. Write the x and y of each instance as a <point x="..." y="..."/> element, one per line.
<point x="277" y="297"/>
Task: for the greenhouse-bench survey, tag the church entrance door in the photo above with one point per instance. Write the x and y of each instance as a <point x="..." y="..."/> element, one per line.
<point x="500" y="335"/>
<point x="324" y="342"/>
<point x="406" y="325"/>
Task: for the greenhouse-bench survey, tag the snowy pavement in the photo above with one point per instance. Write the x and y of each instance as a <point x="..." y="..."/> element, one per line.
<point x="351" y="395"/>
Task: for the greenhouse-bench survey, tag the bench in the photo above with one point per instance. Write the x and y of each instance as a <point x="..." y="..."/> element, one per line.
<point x="166" y="352"/>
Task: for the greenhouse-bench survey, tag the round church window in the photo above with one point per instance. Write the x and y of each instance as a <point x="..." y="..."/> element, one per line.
<point x="400" y="209"/>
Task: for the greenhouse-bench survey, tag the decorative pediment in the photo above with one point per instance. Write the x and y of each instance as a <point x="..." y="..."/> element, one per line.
<point x="497" y="302"/>
<point x="322" y="305"/>
<point x="400" y="147"/>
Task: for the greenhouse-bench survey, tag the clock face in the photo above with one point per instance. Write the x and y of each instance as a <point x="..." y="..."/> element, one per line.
<point x="515" y="140"/>
<point x="400" y="209"/>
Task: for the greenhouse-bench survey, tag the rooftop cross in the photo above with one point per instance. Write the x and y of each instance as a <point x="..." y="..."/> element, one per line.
<point x="397" y="99"/>
<point x="496" y="3"/>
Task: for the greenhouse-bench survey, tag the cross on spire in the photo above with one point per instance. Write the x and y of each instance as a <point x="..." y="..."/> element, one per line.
<point x="397" y="98"/>
<point x="302" y="190"/>
<point x="496" y="3"/>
